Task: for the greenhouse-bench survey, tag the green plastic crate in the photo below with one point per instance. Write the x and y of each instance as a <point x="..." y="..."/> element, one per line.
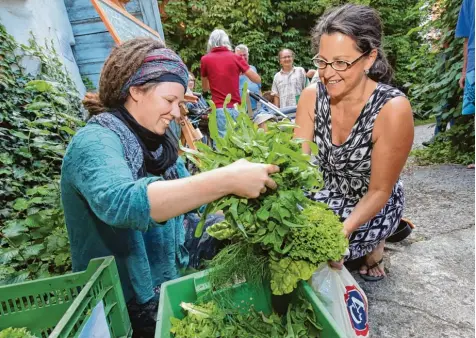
<point x="190" y="288"/>
<point x="59" y="306"/>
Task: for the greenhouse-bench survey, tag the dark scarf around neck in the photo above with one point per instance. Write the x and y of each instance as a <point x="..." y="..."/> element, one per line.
<point x="150" y="143"/>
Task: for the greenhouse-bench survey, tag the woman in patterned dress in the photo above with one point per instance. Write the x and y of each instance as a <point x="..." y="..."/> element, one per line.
<point x="363" y="128"/>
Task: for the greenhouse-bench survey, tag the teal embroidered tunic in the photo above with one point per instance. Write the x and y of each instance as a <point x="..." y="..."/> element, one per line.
<point x="107" y="212"/>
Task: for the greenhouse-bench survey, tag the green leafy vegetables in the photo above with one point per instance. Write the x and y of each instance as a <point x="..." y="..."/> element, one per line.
<point x="209" y="320"/>
<point x="16" y="333"/>
<point x="293" y="233"/>
<point x="276" y="239"/>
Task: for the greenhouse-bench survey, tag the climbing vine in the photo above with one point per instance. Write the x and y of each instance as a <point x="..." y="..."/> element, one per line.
<point x="441" y="58"/>
<point x="38" y="116"/>
<point x="437" y="91"/>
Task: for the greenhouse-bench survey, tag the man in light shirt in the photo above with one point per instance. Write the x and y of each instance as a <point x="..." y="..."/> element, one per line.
<point x="289" y="82"/>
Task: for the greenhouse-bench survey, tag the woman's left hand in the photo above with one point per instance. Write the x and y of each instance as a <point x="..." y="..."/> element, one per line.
<point x="337" y="264"/>
<point x="346" y="232"/>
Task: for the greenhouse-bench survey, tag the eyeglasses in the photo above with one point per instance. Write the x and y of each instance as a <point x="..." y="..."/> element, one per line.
<point x="286" y="57"/>
<point x="339" y="65"/>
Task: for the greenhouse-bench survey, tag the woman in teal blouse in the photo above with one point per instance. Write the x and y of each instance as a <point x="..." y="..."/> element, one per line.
<point x="125" y="190"/>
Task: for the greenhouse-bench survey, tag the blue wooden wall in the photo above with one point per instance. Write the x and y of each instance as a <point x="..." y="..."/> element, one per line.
<point x="93" y="42"/>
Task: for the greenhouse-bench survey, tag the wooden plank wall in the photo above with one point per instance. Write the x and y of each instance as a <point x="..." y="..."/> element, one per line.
<point x="93" y="41"/>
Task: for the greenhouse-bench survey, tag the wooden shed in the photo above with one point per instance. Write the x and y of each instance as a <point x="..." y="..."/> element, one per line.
<point x="93" y="41"/>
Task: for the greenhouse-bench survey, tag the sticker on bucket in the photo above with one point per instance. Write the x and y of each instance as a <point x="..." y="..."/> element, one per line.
<point x="96" y="326"/>
<point x="357" y="309"/>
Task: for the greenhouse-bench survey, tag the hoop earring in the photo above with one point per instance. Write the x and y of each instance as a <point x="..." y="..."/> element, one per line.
<point x="366" y="72"/>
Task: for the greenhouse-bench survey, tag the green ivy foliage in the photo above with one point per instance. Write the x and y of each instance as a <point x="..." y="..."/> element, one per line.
<point x="437" y="92"/>
<point x="38" y="116"/>
<point x="398" y="18"/>
<point x="454" y="146"/>
<point x="440" y="63"/>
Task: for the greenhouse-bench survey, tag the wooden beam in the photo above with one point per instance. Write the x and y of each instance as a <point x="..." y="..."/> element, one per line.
<point x="120" y="3"/>
<point x="189" y="135"/>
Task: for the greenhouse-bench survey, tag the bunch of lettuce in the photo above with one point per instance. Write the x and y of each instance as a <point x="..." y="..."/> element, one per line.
<point x="16" y="333"/>
<point x="209" y="320"/>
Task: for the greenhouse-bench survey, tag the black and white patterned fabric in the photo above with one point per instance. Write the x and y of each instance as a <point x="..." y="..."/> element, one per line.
<point x="346" y="170"/>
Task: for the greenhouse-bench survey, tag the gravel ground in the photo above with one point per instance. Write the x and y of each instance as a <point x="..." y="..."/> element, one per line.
<point x="422" y="134"/>
<point x="429" y="289"/>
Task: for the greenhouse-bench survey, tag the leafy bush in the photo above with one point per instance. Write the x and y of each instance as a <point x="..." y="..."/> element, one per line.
<point x="453" y="146"/>
<point x="266" y="26"/>
<point x="38" y="116"/>
<point x="437" y="91"/>
<point x="398" y="18"/>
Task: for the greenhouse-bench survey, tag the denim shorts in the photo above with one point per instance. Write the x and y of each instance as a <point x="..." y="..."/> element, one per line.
<point x="221" y="120"/>
<point x="468" y="98"/>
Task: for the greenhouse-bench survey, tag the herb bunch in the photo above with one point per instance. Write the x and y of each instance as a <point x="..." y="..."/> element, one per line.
<point x="294" y="233"/>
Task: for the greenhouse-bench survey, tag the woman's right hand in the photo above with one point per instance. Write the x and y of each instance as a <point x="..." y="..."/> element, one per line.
<point x="337" y="264"/>
<point x="249" y="180"/>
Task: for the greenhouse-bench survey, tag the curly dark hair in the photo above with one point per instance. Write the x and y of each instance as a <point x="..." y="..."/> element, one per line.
<point x="124" y="60"/>
<point x="364" y="25"/>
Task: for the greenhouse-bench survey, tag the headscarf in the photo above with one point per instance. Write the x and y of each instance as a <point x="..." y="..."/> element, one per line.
<point x="160" y="151"/>
<point x="158" y="63"/>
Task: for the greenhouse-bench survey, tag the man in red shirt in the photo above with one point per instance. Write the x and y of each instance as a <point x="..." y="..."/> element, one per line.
<point x="220" y="70"/>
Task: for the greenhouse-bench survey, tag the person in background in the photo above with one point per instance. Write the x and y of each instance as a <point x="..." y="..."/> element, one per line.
<point x="201" y="104"/>
<point x="268" y="95"/>
<point x="124" y="189"/>
<point x="194" y="108"/>
<point x="263" y="114"/>
<point x="363" y="128"/>
<point x="262" y="109"/>
<point x="262" y="120"/>
<point x="243" y="51"/>
<point x="465" y="29"/>
<point x="313" y="75"/>
<point x="198" y="111"/>
<point x="289" y="82"/>
<point x="220" y="71"/>
<point x="191" y="82"/>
